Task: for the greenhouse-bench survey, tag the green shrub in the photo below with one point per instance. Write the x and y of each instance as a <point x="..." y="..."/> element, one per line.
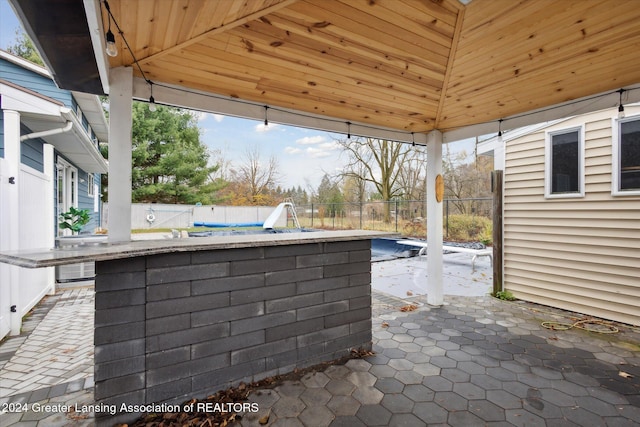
<point x="505" y="295"/>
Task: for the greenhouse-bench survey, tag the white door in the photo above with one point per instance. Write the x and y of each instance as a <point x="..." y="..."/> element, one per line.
<point x="67" y="183"/>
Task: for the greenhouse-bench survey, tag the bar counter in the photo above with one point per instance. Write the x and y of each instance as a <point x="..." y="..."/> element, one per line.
<point x="177" y="319"/>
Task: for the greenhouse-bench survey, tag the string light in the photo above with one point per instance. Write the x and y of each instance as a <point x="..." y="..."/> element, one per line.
<point x="500" y="131"/>
<point x="413" y="140"/>
<point x="152" y="101"/>
<point x="620" y="106"/>
<point x="348" y="130"/>
<point x="111" y="47"/>
<point x="266" y="119"/>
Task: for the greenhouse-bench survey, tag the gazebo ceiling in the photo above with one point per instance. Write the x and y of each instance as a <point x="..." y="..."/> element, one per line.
<point x="409" y="65"/>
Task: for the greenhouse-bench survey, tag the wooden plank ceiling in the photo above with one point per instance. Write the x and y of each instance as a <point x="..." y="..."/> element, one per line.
<point x="411" y="65"/>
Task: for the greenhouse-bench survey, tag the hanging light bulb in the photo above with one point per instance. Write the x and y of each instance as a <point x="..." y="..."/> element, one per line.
<point x="413" y="140"/>
<point x="152" y="101"/>
<point x="348" y="130"/>
<point x="111" y="47"/>
<point x="620" y="106"/>
<point x="266" y="118"/>
<point x="500" y="131"/>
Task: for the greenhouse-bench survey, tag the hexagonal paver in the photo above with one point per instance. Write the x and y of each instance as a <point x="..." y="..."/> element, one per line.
<point x="315" y="396"/>
<point x="522" y="418"/>
<point x="409" y="377"/>
<point x="340" y="387"/>
<point x="368" y="395"/>
<point x="337" y="371"/>
<point x="469" y="391"/>
<point x="437" y="383"/>
<point x="347" y="421"/>
<point x="401" y="364"/>
<point x="319" y="416"/>
<point x="455" y="375"/>
<point x="487" y="411"/>
<point x="430" y="413"/>
<point x="382" y="371"/>
<point x="418" y="393"/>
<point x="362" y="379"/>
<point x="426" y="369"/>
<point x="389" y="385"/>
<point x="343" y="405"/>
<point x="288" y="407"/>
<point x="358" y="365"/>
<point x="374" y="415"/>
<point x="290" y="388"/>
<point x="450" y="401"/>
<point x="315" y="379"/>
<point x="397" y="403"/>
<point x="465" y="419"/>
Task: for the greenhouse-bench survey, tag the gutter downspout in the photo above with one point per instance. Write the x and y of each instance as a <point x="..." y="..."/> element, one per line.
<point x="50" y="132"/>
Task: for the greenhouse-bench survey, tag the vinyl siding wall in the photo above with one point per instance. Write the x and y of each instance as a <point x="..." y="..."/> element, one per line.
<point x="579" y="254"/>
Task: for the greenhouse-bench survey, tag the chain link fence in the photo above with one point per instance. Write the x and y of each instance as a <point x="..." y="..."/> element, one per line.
<point x="464" y="219"/>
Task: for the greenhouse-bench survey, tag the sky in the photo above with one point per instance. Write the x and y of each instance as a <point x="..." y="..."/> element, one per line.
<point x="304" y="155"/>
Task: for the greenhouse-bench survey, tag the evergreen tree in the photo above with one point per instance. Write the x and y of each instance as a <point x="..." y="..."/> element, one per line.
<point x="170" y="163"/>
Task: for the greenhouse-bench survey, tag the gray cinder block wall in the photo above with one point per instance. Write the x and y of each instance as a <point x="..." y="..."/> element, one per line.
<point x="174" y="326"/>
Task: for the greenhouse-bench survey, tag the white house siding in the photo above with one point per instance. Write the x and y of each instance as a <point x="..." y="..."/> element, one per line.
<point x="580" y="254"/>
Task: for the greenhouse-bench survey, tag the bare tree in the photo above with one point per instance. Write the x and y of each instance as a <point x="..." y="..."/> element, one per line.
<point x="256" y="178"/>
<point x="379" y="162"/>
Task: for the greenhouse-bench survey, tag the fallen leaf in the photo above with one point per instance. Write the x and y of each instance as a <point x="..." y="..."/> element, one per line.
<point x="410" y="307"/>
<point x="409" y="293"/>
<point x="625" y="374"/>
<point x="265" y="418"/>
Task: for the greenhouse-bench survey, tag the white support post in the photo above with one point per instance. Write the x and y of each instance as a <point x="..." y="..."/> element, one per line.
<point x="434" y="220"/>
<point x="11" y="229"/>
<point x="50" y="173"/>
<point x="120" y="116"/>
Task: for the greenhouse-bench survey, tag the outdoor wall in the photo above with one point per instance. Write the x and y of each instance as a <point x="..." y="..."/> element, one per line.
<point x="174" y="326"/>
<point x="582" y="253"/>
<point x="183" y="216"/>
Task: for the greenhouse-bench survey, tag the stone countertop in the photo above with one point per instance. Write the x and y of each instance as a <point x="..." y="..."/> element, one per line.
<point x="37" y="258"/>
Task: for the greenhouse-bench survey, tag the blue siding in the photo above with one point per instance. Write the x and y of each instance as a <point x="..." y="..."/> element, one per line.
<point x="33" y="81"/>
<point x="31" y="151"/>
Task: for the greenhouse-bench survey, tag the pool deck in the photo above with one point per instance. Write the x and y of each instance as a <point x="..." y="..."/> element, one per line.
<point x="475" y="361"/>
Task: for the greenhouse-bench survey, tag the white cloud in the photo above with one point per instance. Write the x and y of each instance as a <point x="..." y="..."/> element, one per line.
<point x="330" y="146"/>
<point x="310" y="140"/>
<point x="217" y="117"/>
<point x="317" y="153"/>
<point x="292" y="150"/>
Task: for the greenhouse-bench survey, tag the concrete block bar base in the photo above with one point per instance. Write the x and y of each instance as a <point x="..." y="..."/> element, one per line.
<point x="183" y="318"/>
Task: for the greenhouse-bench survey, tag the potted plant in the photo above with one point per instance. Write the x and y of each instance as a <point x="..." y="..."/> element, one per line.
<point x="74" y="219"/>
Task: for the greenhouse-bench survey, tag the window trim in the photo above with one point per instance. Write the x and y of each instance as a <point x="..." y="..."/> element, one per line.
<point x="90" y="184"/>
<point x="548" y="163"/>
<point x="615" y="156"/>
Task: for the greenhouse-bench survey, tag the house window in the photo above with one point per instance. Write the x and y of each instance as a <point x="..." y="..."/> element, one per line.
<point x="565" y="163"/>
<point x="90" y="184"/>
<point x="626" y="157"/>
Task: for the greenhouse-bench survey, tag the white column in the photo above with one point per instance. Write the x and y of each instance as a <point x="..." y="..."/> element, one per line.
<point x="120" y="105"/>
<point x="11" y="229"/>
<point x="434" y="220"/>
<point x="49" y="169"/>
